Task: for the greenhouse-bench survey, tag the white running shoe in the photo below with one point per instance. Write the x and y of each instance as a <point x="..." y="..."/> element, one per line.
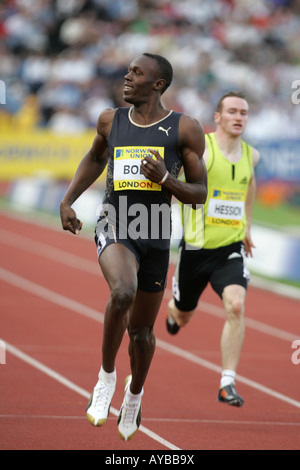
<point x="98" y="407"/>
<point x="130" y="415"/>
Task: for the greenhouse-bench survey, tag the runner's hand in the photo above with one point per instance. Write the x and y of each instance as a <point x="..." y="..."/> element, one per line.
<point x="69" y="219"/>
<point x="248" y="244"/>
<point x="153" y="169"/>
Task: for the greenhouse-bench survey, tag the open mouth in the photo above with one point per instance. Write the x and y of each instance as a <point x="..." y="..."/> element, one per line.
<point x="127" y="88"/>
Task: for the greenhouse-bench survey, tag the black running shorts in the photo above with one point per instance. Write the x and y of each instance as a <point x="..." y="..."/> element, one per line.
<point x="153" y="262"/>
<point x="220" y="267"/>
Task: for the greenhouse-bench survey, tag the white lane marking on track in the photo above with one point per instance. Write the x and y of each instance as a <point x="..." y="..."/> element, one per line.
<point x="50" y="252"/>
<point x="77" y="307"/>
<point x="258" y="282"/>
<point x="92" y="267"/>
<point x="75" y="388"/>
<point x="161" y="420"/>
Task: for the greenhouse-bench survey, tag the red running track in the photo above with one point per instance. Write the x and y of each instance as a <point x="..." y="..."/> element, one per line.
<point x="52" y="301"/>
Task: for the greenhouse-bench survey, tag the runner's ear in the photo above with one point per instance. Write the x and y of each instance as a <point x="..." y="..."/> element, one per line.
<point x="217" y="117"/>
<point x="159" y="84"/>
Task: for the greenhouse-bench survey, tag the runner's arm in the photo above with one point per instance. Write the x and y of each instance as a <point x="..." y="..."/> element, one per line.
<point x="250" y="198"/>
<point x="88" y="171"/>
<point x="191" y="148"/>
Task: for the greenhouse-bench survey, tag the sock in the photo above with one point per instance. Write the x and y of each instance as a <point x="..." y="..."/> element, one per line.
<point x="171" y="321"/>
<point x="132" y="398"/>
<point x="108" y="377"/>
<point x="228" y="377"/>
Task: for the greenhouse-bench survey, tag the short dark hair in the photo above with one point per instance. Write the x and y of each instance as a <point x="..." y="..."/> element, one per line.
<point x="237" y="94"/>
<point x="164" y="67"/>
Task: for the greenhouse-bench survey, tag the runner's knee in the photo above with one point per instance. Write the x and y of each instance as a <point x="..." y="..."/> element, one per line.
<point x="142" y="338"/>
<point x="234" y="306"/>
<point x="233" y="298"/>
<point x="122" y="297"/>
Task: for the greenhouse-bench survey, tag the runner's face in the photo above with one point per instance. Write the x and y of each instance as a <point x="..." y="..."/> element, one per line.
<point x="233" y="116"/>
<point x="140" y="80"/>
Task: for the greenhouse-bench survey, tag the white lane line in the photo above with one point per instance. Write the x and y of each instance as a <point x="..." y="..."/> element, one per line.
<point x="75" y="261"/>
<point x="77" y="307"/>
<point x="50" y="295"/>
<point x="258" y="282"/>
<point x="213" y="367"/>
<point x="49" y="252"/>
<point x="218" y="312"/>
<point x="75" y="388"/>
<point x="162" y="420"/>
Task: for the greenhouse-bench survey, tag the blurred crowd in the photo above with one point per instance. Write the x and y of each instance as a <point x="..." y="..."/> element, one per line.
<point x="63" y="61"/>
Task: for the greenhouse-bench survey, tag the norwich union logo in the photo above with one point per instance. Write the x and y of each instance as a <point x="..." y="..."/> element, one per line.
<point x="119" y="153"/>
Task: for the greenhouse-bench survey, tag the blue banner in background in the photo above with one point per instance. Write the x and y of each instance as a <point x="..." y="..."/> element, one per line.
<point x="279" y="160"/>
<point x="277" y="254"/>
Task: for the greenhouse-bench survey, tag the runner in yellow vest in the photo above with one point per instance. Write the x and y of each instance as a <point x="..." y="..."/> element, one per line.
<point x="212" y="249"/>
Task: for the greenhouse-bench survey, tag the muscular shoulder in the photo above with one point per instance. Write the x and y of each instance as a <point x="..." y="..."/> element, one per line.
<point x="188" y="125"/>
<point x="190" y="131"/>
<point x="105" y="120"/>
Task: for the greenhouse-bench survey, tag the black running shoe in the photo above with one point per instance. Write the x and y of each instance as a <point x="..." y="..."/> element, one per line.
<point x="228" y="395"/>
<point x="172" y="326"/>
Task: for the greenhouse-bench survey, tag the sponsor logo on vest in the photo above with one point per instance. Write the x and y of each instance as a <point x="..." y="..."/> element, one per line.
<point x="119" y="153"/>
<point x="127" y="168"/>
<point x="164" y="130"/>
<point x="244" y="180"/>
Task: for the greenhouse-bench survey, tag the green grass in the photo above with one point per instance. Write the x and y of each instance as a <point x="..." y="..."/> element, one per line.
<point x="283" y="216"/>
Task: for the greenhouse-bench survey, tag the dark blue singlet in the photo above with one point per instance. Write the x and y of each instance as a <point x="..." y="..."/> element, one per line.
<point x="136" y="211"/>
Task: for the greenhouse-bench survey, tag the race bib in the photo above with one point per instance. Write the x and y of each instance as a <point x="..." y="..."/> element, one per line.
<point x="226" y="208"/>
<point x="127" y="168"/>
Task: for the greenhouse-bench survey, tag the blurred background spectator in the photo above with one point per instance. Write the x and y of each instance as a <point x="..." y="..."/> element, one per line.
<point x="63" y="61"/>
